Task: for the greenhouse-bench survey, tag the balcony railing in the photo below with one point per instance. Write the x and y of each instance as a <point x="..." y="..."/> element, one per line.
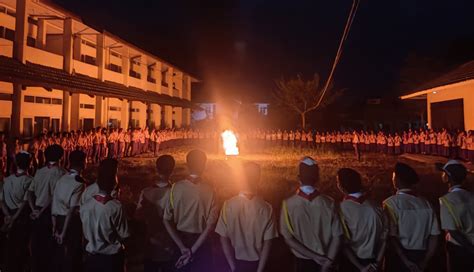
<point x="134" y="74"/>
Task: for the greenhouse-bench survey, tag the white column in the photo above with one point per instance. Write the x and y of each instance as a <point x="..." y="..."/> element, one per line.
<point x="156" y="115"/>
<point x="67" y="66"/>
<point x="178" y="116"/>
<point x="125" y="118"/>
<point x="158" y="77"/>
<point x="168" y="116"/>
<point x="428" y="109"/>
<point x="169" y="78"/>
<point x="41" y="34"/>
<point x="143" y="71"/>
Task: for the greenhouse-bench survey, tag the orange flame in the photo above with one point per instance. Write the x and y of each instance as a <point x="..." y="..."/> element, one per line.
<point x="229" y="142"/>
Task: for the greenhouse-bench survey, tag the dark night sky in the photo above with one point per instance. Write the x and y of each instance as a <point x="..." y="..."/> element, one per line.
<point x="244" y="45"/>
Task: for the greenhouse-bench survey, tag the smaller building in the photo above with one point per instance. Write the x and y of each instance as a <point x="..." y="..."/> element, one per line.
<point x="449" y="99"/>
<point x="213" y="110"/>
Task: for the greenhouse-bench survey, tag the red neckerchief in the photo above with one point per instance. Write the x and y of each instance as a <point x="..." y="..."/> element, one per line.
<point x="52" y="165"/>
<point x="103" y="199"/>
<point x="359" y="200"/>
<point x="309" y="197"/>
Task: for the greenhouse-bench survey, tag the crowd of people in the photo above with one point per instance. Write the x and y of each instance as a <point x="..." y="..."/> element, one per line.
<point x="101" y="143"/>
<point x="55" y="220"/>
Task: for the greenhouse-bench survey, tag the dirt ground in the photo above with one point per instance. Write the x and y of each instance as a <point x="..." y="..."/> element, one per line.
<point x="278" y="181"/>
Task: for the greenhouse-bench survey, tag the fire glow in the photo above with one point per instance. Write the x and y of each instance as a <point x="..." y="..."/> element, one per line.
<point x="229" y="142"/>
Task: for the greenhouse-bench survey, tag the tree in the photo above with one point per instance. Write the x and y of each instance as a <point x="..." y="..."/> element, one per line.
<point x="303" y="96"/>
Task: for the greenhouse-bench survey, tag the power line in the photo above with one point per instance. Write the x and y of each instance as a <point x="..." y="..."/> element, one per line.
<point x="350" y="20"/>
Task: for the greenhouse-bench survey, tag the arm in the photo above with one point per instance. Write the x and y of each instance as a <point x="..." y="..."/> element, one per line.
<point x="461" y="239"/>
<point x="432" y="245"/>
<point x="31" y="202"/>
<point x="349" y="253"/>
<point x="399" y="251"/>
<point x="228" y="252"/>
<point x="264" y="256"/>
<point x="171" y="229"/>
<point x="303" y="250"/>
<point x="202" y="237"/>
<point x="61" y="236"/>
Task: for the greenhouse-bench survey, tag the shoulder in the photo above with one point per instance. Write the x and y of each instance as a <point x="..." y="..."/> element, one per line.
<point x="325" y="200"/>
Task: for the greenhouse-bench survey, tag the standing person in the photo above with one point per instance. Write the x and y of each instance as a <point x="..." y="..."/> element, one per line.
<point x="96" y="146"/>
<point x="191" y="215"/>
<point x="364" y="225"/>
<point x="112" y="143"/>
<point x="65" y="215"/>
<point x="154" y="140"/>
<point x="246" y="226"/>
<point x="121" y="143"/>
<point x="457" y="218"/>
<point x="413" y="224"/>
<point x="104" y="224"/>
<point x="160" y="250"/>
<point x="309" y="223"/>
<point x="128" y="143"/>
<point x="356" y="144"/>
<point x="16" y="211"/>
<point x="40" y="196"/>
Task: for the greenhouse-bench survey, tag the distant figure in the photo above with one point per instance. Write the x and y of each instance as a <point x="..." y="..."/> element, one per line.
<point x="414" y="227"/>
<point x="246" y="226"/>
<point x="457" y="218"/>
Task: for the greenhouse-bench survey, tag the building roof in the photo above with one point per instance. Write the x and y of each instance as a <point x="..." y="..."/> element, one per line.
<point x="457" y="75"/>
<point x="31" y="74"/>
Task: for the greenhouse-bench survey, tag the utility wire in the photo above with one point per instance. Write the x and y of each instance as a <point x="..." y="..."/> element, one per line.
<point x="350" y="20"/>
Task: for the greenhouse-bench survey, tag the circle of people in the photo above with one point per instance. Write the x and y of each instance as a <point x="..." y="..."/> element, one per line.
<point x="50" y="212"/>
<point x="101" y="143"/>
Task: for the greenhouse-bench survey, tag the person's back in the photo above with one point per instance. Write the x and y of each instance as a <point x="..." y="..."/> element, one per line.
<point x="99" y="216"/>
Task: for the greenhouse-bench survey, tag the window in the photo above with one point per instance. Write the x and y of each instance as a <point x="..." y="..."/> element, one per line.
<point x="11" y="12"/>
<point x="27" y="127"/>
<point x="88" y="59"/>
<point x="42" y="100"/>
<point x="115" y="54"/>
<point x="9" y="34"/>
<point x="88" y="43"/>
<point x="112" y="108"/>
<point x="114" y="67"/>
<point x="134" y="123"/>
<point x="56" y="101"/>
<point x="29" y="98"/>
<point x="87" y="106"/>
<point x="30" y="41"/>
<point x="5" y="97"/>
<point x="4" y="124"/>
<point x="134" y="110"/>
<point x="134" y="74"/>
<point x="151" y="79"/>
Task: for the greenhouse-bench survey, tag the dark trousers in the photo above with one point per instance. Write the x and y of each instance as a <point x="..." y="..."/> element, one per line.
<point x="202" y="259"/>
<point x="42" y="242"/>
<point x="348" y="266"/>
<point x="17" y="242"/>
<point x="68" y="256"/>
<point x="393" y="263"/>
<point x="152" y="266"/>
<point x="304" y="265"/>
<point x="246" y="266"/>
<point x="105" y="263"/>
<point x="459" y="259"/>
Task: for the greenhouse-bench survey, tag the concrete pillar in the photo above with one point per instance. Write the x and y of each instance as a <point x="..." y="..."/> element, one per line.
<point x="168" y="116"/>
<point x="178" y="116"/>
<point x="125" y="66"/>
<point x="158" y="77"/>
<point x="169" y="79"/>
<point x="67" y="66"/>
<point x="19" y="44"/>
<point x="149" y="121"/>
<point x="77" y="46"/>
<point x="178" y="81"/>
<point x="75" y="117"/>
<point x="99" y="109"/>
<point x="186" y="117"/>
<point x="41" y="34"/>
<point x="100" y="56"/>
<point x="156" y="115"/>
<point x="143" y="71"/>
<point x="428" y="109"/>
<point x="125" y="118"/>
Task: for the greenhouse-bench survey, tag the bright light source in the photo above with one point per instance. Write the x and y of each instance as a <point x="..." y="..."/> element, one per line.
<point x="435" y="92"/>
<point x="229" y="142"/>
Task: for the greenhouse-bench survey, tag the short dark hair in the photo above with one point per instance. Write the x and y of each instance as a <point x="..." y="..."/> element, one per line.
<point x="77" y="158"/>
<point x="53" y="153"/>
<point x="350" y="180"/>
<point x="23" y="160"/>
<point x="252" y="172"/>
<point x="406" y="175"/>
<point x="308" y="174"/>
<point x="196" y="160"/>
<point x="106" y="178"/>
<point x="165" y="165"/>
<point x="456" y="172"/>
